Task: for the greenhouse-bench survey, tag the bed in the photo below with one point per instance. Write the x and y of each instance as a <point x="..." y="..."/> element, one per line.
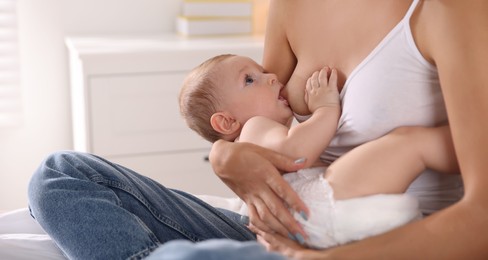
<point x="21" y="238"/>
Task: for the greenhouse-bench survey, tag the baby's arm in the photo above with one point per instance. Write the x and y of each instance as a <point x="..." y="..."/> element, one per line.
<point x="307" y="139"/>
<point x="389" y="164"/>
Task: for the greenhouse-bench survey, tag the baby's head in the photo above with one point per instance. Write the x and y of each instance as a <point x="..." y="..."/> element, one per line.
<point x="221" y="94"/>
<point x="199" y="97"/>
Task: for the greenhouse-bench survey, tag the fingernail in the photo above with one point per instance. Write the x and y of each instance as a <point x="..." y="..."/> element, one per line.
<point x="300" y="238"/>
<point x="300" y="161"/>
<point x="304" y="215"/>
<point x="292" y="237"/>
<point x="245" y="220"/>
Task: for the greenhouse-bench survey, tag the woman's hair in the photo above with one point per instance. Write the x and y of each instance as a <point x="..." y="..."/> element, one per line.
<point x="199" y="98"/>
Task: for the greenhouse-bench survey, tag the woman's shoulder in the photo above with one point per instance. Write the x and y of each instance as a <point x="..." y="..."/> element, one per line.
<point x="444" y="14"/>
<point x="439" y="24"/>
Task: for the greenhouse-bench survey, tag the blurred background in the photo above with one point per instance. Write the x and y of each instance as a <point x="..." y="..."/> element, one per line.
<point x="45" y="123"/>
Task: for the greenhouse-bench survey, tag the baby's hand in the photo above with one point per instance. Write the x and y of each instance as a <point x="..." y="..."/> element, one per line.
<point x="321" y="90"/>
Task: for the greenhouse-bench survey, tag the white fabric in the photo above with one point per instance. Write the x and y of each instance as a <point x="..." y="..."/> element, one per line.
<point x="336" y="222"/>
<point x="28" y="247"/>
<point x="21" y="238"/>
<point x="395" y="86"/>
<point x="19" y="222"/>
<point x="232" y="204"/>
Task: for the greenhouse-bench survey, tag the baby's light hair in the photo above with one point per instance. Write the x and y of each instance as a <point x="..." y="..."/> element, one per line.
<point x="199" y="98"/>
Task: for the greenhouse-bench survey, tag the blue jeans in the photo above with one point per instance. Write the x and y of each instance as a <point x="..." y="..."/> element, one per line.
<point x="95" y="209"/>
<point x="213" y="249"/>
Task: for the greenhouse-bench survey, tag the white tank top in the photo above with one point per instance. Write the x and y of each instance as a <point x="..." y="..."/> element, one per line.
<point x="395" y="86"/>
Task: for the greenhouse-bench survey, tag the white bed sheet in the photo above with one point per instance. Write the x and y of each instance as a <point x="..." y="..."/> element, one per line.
<point x="21" y="238"/>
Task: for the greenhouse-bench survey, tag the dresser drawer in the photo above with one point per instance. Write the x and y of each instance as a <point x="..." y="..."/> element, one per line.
<point x="137" y="114"/>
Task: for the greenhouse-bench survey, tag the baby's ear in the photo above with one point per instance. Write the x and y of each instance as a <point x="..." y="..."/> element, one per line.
<point x="225" y="123"/>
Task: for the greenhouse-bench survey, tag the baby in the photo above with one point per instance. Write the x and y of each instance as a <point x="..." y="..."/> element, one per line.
<point x="359" y="195"/>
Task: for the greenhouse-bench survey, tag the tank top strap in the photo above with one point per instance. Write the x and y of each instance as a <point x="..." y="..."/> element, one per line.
<point x="410" y="10"/>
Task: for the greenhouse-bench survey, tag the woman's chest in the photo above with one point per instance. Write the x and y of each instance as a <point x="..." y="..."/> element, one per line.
<point x="383" y="94"/>
<point x="339" y="35"/>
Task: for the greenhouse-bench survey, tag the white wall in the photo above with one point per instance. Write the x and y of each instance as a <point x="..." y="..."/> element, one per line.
<point x="43" y="26"/>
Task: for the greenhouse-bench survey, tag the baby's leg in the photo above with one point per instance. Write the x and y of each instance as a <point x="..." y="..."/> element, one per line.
<point x="389" y="164"/>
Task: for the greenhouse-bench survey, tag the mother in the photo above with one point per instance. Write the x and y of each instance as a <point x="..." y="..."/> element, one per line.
<point x="392" y="76"/>
<point x="403" y="63"/>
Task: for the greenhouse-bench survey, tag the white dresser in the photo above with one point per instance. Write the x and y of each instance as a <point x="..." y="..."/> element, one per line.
<point x="124" y="104"/>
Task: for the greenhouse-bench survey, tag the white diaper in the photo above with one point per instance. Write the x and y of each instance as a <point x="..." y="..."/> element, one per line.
<point x="336" y="222"/>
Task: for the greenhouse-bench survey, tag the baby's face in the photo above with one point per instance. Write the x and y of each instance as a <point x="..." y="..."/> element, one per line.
<point x="247" y="91"/>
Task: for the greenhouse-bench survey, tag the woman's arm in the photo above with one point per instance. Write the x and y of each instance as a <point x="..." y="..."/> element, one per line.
<point x="454" y="35"/>
<point x="278" y="57"/>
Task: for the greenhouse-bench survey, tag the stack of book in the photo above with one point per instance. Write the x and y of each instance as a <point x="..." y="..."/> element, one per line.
<point x="215" y="17"/>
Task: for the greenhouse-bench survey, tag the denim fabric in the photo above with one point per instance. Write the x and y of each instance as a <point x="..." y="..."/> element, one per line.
<point x="95" y="209"/>
<point x="214" y="249"/>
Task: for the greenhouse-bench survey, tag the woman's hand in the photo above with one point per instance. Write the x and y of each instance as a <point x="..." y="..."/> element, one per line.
<point x="252" y="172"/>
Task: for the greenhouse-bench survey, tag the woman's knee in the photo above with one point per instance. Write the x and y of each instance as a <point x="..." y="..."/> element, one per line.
<point x="56" y="163"/>
<point x="54" y="166"/>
